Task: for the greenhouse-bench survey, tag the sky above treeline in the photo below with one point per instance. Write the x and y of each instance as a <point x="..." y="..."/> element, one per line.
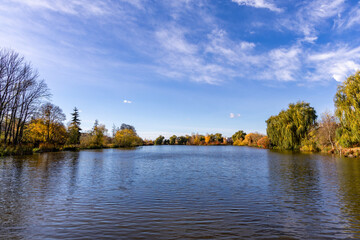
<point x="185" y="66"/>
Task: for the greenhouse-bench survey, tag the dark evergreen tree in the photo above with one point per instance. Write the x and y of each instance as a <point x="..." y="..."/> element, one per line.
<point x="74" y="129"/>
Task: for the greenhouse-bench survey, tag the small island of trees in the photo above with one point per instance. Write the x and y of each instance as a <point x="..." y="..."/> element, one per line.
<point x="30" y="123"/>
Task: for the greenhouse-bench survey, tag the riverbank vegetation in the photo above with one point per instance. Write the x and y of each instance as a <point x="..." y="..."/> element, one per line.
<point x="297" y="128"/>
<point x="29" y="122"/>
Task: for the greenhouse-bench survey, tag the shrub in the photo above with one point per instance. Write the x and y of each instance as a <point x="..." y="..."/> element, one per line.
<point x="264" y="142"/>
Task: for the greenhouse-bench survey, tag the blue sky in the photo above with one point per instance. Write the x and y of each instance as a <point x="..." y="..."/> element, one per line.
<point x="185" y="66"/>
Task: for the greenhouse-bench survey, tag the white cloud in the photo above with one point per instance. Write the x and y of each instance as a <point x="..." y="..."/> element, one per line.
<point x="337" y="63"/>
<point x="175" y="50"/>
<point x="259" y="4"/>
<point x="282" y="64"/>
<point x="127" y="101"/>
<point x="183" y="59"/>
<point x="233" y="115"/>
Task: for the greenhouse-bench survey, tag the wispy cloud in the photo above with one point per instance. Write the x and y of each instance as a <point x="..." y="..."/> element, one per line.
<point x="311" y="16"/>
<point x="194" y="45"/>
<point x="259" y="4"/>
<point x="127" y="101"/>
<point x="338" y="63"/>
<point x="351" y="19"/>
<point x="186" y="60"/>
<point x="73" y="7"/>
<point x="284" y="63"/>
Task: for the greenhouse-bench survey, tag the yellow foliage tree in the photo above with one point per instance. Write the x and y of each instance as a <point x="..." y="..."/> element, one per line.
<point x="127" y="138"/>
<point x="207" y="139"/>
<point x="40" y="131"/>
<point x="251" y="139"/>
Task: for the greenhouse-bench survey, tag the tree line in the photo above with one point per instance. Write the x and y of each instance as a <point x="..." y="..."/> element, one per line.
<point x="298" y="127"/>
<point x="239" y="138"/>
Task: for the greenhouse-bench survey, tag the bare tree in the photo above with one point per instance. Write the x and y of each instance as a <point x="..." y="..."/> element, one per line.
<point x="20" y="95"/>
<point x="326" y="132"/>
<point x="52" y="116"/>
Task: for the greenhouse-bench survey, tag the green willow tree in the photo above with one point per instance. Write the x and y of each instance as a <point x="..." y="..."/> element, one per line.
<point x="287" y="129"/>
<point x="347" y="104"/>
<point x="74" y="130"/>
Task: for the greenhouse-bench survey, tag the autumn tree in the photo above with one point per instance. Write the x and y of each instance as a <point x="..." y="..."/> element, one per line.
<point x="47" y="126"/>
<point x="239" y="135"/>
<point x="127" y="126"/>
<point x="263" y="142"/>
<point x="218" y="137"/>
<point x="98" y="134"/>
<point x="172" y="140"/>
<point x="207" y="139"/>
<point x="53" y="118"/>
<point x="182" y="140"/>
<point x="74" y="130"/>
<point x="197" y="139"/>
<point x="159" y="140"/>
<point x="252" y="139"/>
<point x="347" y="104"/>
<point x="127" y="138"/>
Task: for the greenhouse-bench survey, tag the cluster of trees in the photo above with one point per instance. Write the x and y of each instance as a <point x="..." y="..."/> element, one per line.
<point x="97" y="137"/>
<point x="193" y="139"/>
<point x="240" y="138"/>
<point x="297" y="128"/>
<point x="28" y="120"/>
<point x="21" y="92"/>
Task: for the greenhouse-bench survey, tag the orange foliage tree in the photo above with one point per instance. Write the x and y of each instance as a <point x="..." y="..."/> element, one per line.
<point x="264" y="142"/>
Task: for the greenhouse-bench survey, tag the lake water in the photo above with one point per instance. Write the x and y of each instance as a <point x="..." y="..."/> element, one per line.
<point x="179" y="192"/>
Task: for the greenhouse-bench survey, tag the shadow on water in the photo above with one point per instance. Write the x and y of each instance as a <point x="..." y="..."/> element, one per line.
<point x="349" y="192"/>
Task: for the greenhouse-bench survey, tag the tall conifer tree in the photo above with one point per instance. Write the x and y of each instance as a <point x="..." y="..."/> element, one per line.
<point x="74" y="128"/>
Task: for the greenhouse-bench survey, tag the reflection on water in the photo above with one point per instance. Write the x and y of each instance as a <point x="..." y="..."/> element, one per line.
<point x="167" y="192"/>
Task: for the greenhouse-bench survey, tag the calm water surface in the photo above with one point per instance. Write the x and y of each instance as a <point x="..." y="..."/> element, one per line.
<point x="179" y="192"/>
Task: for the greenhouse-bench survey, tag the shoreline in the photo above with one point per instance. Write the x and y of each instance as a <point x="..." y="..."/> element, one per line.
<point x="353" y="153"/>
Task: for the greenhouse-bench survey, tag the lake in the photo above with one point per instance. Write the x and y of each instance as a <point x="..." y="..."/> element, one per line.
<point x="179" y="192"/>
